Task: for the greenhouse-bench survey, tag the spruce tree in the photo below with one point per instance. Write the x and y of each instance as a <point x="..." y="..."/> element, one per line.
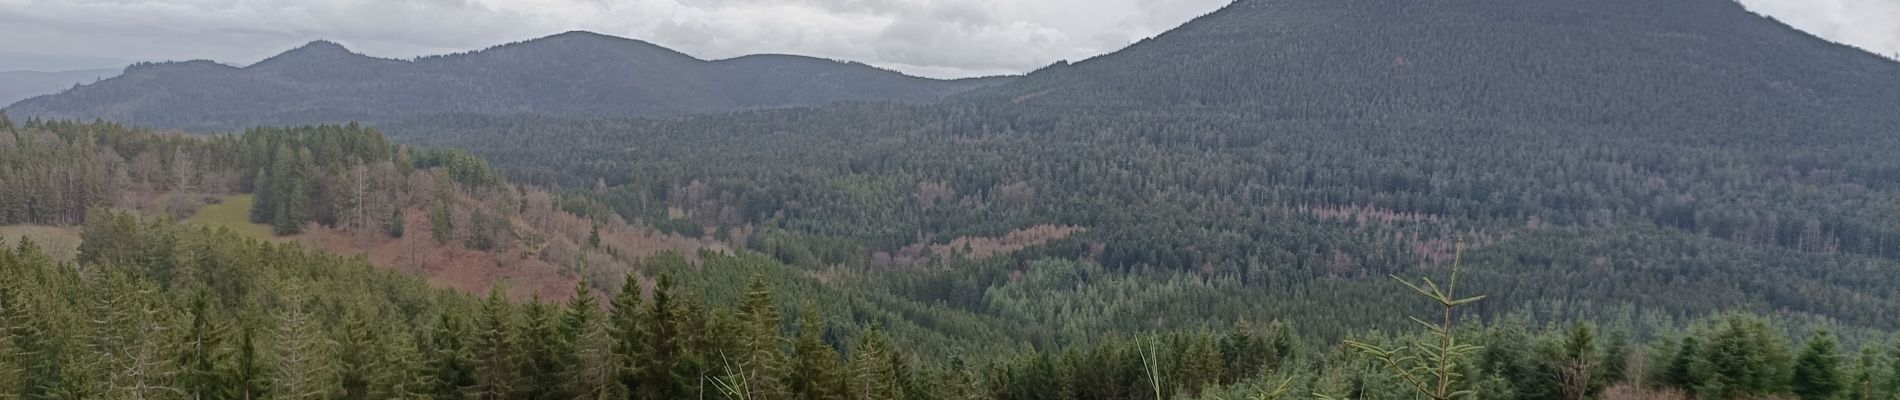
<point x="1616" y="358"/>
<point x="1579" y="375"/>
<point x="130" y="348"/>
<point x="815" y="371"/>
<point x="403" y="375"/>
<point x="1893" y="368"/>
<point x="359" y="359"/>
<point x="1745" y="358"/>
<point x="496" y="355"/>
<point x="203" y="355"/>
<point x="396" y="227"/>
<point x="660" y="359"/>
<point x="305" y="368"/>
<point x="13" y="354"/>
<point x="1683" y="371"/>
<point x="249" y="376"/>
<point x="1817" y="374"/>
<point x="449" y="367"/>
<point x="629" y="344"/>
<point x="595" y="368"/>
<point x="547" y="353"/>
<point x="441" y="224"/>
<point x="873" y="376"/>
<point x="762" y="359"/>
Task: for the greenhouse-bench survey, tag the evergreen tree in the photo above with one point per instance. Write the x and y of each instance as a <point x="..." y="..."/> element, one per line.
<point x="203" y="356"/>
<point x="873" y="376"/>
<point x="449" y="368"/>
<point x="1817" y="374"/>
<point x="403" y="375"/>
<point x="1200" y="365"/>
<point x="249" y="377"/>
<point x="441" y="224"/>
<point x="304" y="355"/>
<point x="1616" y="358"/>
<point x="1578" y="369"/>
<point x="396" y="227"/>
<point x="548" y="352"/>
<point x="761" y="359"/>
<point x="1893" y="368"/>
<point x="595" y="367"/>
<point x="1744" y="358"/>
<point x="1865" y="374"/>
<point x="359" y="357"/>
<point x="130" y="346"/>
<point x="1683" y="371"/>
<point x="496" y="358"/>
<point x="13" y="354"/>
<point x="659" y="360"/>
<point x="815" y="371"/>
<point x="623" y="324"/>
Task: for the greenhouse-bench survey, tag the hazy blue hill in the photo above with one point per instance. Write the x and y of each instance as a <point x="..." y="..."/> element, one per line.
<point x="575" y="74"/>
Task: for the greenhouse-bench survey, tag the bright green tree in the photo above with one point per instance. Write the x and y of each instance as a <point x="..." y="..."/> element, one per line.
<point x="1817" y="371"/>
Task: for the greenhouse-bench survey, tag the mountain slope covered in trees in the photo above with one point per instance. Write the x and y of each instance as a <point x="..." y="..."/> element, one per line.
<point x="571" y="74"/>
<point x="1655" y="70"/>
<point x="1600" y="158"/>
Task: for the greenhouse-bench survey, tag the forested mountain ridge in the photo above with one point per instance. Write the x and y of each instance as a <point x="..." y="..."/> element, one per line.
<point x="1646" y="162"/>
<point x="1659" y="70"/>
<point x="571" y="74"/>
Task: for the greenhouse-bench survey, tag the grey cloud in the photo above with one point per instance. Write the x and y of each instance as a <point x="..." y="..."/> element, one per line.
<point x="1873" y="25"/>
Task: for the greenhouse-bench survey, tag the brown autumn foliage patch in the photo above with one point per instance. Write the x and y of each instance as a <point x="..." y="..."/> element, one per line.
<point x="543" y="253"/>
<point x="979" y="247"/>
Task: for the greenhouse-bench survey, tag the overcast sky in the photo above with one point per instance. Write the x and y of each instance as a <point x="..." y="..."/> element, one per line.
<point x="939" y="38"/>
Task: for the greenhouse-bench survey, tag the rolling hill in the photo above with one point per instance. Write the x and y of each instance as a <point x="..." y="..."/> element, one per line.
<point x="1685" y="67"/>
<point x="576" y="74"/>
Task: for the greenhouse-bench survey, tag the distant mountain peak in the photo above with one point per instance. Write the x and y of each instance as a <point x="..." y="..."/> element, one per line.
<point x="322" y="48"/>
<point x="314" y="52"/>
<point x="587" y="38"/>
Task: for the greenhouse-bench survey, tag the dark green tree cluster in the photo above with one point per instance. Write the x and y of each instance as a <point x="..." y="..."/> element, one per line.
<point x="1746" y="357"/>
<point x="298" y="172"/>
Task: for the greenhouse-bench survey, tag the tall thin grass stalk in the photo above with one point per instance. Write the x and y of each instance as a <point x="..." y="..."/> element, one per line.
<point x="734" y="385"/>
<point x="1150" y="362"/>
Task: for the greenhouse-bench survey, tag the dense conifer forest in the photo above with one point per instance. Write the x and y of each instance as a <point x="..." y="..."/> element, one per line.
<point x="150" y="308"/>
<point x="1319" y="199"/>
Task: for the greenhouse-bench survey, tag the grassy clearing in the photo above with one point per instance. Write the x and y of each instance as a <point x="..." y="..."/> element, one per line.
<point x="60" y="242"/>
<point x="234" y="213"/>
